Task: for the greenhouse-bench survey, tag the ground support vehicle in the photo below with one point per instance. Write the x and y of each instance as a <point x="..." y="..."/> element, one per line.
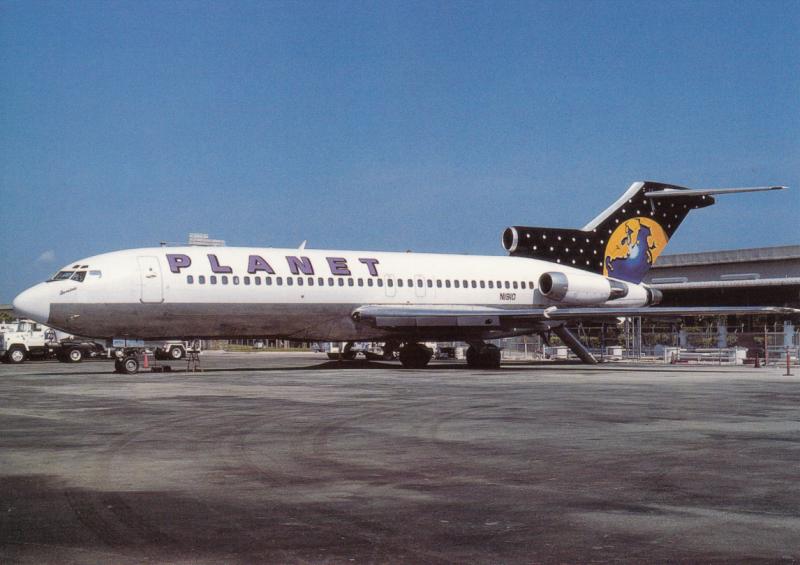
<point x="176" y="350"/>
<point x="75" y="350"/>
<point x="25" y="340"/>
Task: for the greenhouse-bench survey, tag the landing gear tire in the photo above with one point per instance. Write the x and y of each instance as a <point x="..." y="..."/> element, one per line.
<point x="16" y="355"/>
<point x="485" y="357"/>
<point x="415" y="356"/>
<point x="176" y="353"/>
<point x="348" y="354"/>
<point x="127" y="366"/>
<point x="472" y="357"/>
<point x="389" y="349"/>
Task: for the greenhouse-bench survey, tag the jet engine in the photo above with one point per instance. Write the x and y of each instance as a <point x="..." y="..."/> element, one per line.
<point x="587" y="288"/>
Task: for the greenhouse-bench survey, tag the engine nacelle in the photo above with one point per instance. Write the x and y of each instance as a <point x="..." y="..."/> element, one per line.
<point x="582" y="289"/>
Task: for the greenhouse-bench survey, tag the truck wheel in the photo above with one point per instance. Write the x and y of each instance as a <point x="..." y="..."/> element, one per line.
<point x="176" y="353"/>
<point x="16" y="354"/>
<point x="130" y="365"/>
<point x="75" y="355"/>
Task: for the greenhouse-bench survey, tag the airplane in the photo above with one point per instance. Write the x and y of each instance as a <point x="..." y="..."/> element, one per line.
<point x="551" y="278"/>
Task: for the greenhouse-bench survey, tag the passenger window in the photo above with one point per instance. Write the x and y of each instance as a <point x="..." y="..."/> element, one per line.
<point x="499" y="284"/>
<point x="201" y="279"/>
<point x="268" y="281"/>
<point x="491" y="284"/>
<point x="507" y="285"/>
<point x="349" y="282"/>
<point x="341" y="282"/>
<point x="246" y="280"/>
<point x="400" y="282"/>
<point x="522" y="284"/>
<point x="474" y="284"/>
<point x="466" y="284"/>
<point x="190" y="279"/>
<point x="257" y="280"/>
<point x="212" y="278"/>
<point x="224" y="279"/>
<point x="370" y="282"/>
<point x="289" y="281"/>
<point x="330" y="281"/>
<point x="389" y="282"/>
<point x="360" y="282"/>
<point x="447" y="283"/>
<point x="419" y="283"/>
<point x="530" y="285"/>
<point x="438" y="283"/>
<point x="320" y="281"/>
<point x="79" y="276"/>
<point x="483" y="284"/>
<point x="457" y="283"/>
<point x="380" y="282"/>
<point x="299" y="281"/>
<point x="279" y="281"/>
<point x="430" y="283"/>
<point x="514" y="284"/>
<point x="410" y="283"/>
<point x="310" y="281"/>
<point x="236" y="280"/>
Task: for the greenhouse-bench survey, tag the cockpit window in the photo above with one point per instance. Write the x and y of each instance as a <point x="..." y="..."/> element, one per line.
<point x="97" y="274"/>
<point x="79" y="276"/>
<point x="62" y="275"/>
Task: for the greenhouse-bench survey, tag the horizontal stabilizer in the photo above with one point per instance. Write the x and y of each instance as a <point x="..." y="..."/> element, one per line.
<point x="674" y="193"/>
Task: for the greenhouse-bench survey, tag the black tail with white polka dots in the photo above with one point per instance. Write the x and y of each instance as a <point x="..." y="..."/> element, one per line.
<point x="623" y="241"/>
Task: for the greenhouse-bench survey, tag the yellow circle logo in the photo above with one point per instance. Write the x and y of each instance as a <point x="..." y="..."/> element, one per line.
<point x="633" y="248"/>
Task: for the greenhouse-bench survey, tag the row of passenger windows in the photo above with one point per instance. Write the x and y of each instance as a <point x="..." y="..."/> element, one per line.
<point x="348" y="281"/>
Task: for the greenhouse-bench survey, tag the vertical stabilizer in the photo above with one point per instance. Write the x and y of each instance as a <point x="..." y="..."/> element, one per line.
<point x="623" y="241"/>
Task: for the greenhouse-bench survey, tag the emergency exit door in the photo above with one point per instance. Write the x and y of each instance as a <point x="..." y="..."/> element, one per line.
<point x="151" y="281"/>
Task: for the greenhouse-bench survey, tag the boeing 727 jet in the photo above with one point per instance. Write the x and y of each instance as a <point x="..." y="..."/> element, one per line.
<point x="550" y="278"/>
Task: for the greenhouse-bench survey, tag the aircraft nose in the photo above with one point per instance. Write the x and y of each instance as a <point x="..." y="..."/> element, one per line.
<point x="33" y="303"/>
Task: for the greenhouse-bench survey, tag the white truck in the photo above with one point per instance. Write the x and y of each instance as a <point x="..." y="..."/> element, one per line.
<point x="24" y="339"/>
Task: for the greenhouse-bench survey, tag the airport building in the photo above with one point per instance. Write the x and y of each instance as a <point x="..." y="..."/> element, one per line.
<point x="766" y="276"/>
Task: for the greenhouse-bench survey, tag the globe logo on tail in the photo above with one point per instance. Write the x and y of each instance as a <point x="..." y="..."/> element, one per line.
<point x="633" y="248"/>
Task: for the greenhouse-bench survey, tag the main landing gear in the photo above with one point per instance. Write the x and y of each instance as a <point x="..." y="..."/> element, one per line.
<point x="415" y="355"/>
<point x="483" y="356"/>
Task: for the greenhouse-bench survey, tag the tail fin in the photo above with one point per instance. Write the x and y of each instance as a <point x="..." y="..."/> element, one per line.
<point x="625" y="239"/>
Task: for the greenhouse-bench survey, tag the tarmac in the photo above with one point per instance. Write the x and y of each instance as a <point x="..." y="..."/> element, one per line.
<point x="291" y="458"/>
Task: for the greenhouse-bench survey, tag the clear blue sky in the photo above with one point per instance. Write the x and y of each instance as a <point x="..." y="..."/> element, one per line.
<point x="379" y="125"/>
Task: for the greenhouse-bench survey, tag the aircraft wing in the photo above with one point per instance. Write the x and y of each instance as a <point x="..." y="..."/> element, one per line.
<point x="433" y="316"/>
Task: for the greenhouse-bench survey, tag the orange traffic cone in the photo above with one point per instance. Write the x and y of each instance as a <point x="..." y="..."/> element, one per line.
<point x="145" y="363"/>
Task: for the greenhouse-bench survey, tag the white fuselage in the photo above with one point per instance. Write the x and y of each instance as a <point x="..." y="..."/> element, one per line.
<point x="303" y="294"/>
